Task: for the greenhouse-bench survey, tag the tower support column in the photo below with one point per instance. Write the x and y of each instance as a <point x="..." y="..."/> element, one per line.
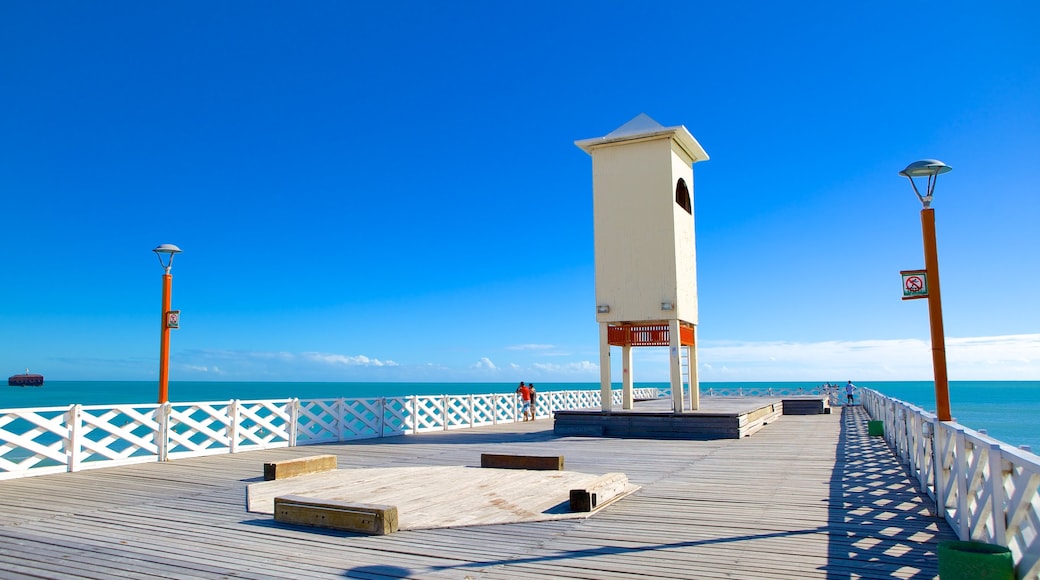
<point x="606" y="397"/>
<point x="675" y="364"/>
<point x="627" y="398"/>
<point x="695" y="384"/>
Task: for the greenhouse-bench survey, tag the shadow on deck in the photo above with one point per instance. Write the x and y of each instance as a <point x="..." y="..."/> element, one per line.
<point x="873" y="490"/>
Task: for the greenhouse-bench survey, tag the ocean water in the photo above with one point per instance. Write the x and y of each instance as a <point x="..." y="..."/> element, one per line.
<point x="1007" y="410"/>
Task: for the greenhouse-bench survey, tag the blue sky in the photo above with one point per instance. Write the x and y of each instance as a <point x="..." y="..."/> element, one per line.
<point x="391" y="191"/>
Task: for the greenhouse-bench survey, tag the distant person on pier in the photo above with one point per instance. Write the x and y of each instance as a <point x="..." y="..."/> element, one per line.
<point x="525" y="399"/>
<point x="534" y="400"/>
<point x="849" y="390"/>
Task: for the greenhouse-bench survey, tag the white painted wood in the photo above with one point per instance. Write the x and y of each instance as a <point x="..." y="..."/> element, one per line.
<point x="627" y="398"/>
<point x="695" y="383"/>
<point x="675" y="367"/>
<point x="644" y="249"/>
<point x="606" y="397"/>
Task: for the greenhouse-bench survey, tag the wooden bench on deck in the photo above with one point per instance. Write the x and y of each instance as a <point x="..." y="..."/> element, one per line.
<point x="537" y="462"/>
<point x="338" y="515"/>
<point x="599" y="492"/>
<point x="299" y="466"/>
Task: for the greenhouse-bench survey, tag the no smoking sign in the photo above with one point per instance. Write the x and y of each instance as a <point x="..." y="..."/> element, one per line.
<point x="915" y="284"/>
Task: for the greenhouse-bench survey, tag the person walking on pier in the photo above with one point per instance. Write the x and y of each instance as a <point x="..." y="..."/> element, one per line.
<point x="534" y="400"/>
<point x="849" y="390"/>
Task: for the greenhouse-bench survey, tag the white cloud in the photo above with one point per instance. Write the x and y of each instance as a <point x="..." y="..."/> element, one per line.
<point x="485" y="364"/>
<point x="346" y="360"/>
<point x="241" y="355"/>
<point x="531" y="347"/>
<point x="575" y="368"/>
<point x="204" y="369"/>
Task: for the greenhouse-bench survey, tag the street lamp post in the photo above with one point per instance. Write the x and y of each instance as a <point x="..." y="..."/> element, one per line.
<point x="165" y="324"/>
<point x="931" y="169"/>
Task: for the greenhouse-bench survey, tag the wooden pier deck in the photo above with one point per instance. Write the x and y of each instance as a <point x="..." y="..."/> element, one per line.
<point x="806" y="497"/>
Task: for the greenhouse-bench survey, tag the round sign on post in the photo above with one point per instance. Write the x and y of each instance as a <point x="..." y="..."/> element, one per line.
<point x="915" y="284"/>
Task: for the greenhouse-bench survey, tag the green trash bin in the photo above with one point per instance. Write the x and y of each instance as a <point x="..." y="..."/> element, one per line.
<point x="876" y="428"/>
<point x="960" y="560"/>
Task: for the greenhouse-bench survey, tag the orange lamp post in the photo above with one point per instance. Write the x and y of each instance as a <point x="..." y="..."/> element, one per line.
<point x="931" y="169"/>
<point x="169" y="319"/>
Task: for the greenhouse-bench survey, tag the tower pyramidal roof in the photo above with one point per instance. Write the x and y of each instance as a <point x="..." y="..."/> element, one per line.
<point x="643" y="127"/>
<point x="641" y="124"/>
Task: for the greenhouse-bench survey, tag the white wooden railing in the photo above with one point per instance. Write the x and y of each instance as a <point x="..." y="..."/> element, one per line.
<point x="984" y="488"/>
<point x="39" y="441"/>
<point x="770" y="391"/>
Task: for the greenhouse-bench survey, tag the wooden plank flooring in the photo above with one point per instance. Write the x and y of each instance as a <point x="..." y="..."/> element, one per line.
<point x="806" y="497"/>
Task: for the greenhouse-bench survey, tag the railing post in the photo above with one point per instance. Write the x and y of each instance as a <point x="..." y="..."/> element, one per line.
<point x="959" y="471"/>
<point x="415" y="413"/>
<point x="74" y="423"/>
<point x="162" y="438"/>
<point x="997" y="495"/>
<point x="444" y="411"/>
<point x="382" y="416"/>
<point x="232" y="426"/>
<point x="923" y="431"/>
<point x="938" y="469"/>
<point x="470" y="402"/>
<point x="341" y="418"/>
<point x="294" y="421"/>
<point x="494" y="408"/>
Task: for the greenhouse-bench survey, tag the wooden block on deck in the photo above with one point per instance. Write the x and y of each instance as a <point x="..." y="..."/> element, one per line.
<point x="299" y="466"/>
<point x="338" y="515"/>
<point x="598" y="492"/>
<point x="544" y="463"/>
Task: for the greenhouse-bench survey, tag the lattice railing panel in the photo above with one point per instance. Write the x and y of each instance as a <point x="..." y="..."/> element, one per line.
<point x="118" y="434"/>
<point x="397" y="412"/>
<point x="199" y="428"/>
<point x="33" y="439"/>
<point x="507" y="407"/>
<point x="428" y="413"/>
<point x="261" y="424"/>
<point x="1022" y="480"/>
<point x="361" y="418"/>
<point x="482" y="410"/>
<point x="317" y="421"/>
<point x="457" y="411"/>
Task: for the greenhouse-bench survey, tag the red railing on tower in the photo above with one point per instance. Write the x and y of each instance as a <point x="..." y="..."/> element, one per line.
<point x="647" y="335"/>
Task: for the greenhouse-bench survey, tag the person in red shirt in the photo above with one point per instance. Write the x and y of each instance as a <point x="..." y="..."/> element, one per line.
<point x="525" y="399"/>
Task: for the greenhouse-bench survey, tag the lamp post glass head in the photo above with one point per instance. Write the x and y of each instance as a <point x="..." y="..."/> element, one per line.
<point x="928" y="168"/>
<point x="169" y="250"/>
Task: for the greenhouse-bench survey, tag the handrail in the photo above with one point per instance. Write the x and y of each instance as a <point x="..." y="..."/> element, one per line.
<point x="44" y="440"/>
<point x="985" y="488"/>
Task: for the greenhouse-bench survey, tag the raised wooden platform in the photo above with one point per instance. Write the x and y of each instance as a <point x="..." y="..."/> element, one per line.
<point x="442" y="496"/>
<point x="717" y="418"/>
<point x="806" y="405"/>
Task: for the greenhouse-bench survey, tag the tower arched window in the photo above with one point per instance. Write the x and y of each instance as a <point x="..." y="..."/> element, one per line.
<point x="682" y="196"/>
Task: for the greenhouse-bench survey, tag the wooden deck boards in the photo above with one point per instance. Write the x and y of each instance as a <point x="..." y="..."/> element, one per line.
<point x="807" y="497"/>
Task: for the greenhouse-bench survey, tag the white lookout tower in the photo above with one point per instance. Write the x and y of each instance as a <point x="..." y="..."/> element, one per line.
<point x="646" y="265"/>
